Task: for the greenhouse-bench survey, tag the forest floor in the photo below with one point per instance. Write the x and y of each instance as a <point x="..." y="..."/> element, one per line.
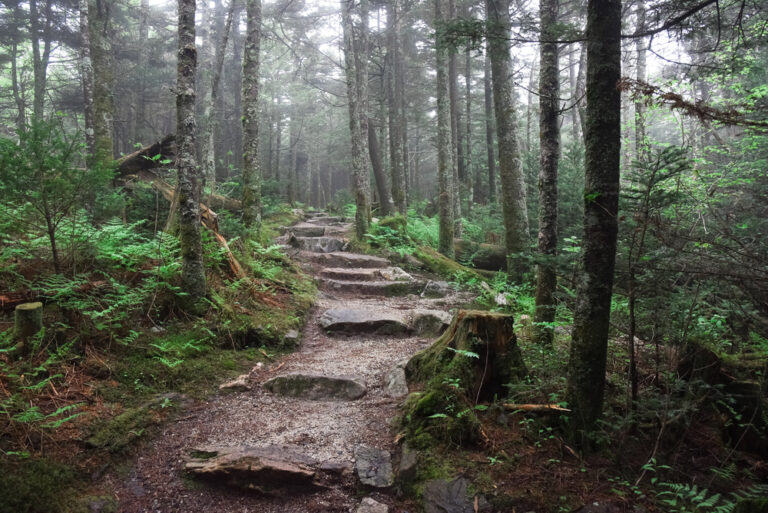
<point x="365" y="347"/>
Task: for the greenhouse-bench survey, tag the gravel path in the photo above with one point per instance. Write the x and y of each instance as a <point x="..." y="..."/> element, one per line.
<point x="326" y="430"/>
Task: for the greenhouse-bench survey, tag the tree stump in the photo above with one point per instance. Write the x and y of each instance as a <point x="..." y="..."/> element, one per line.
<point x="28" y="321"/>
<point x="472" y="362"/>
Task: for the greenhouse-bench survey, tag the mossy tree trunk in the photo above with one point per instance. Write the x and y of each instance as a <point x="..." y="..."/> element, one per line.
<point x="251" y="168"/>
<point x="28" y="321"/>
<point x="100" y="31"/>
<point x="510" y="169"/>
<point x="549" y="135"/>
<point x="192" y="271"/>
<point x="444" y="158"/>
<point x="586" y="372"/>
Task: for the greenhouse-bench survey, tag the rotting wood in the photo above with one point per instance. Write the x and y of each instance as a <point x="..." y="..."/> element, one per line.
<point x="553" y="409"/>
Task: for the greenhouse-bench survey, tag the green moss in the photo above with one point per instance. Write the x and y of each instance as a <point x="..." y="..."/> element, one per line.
<point x="442" y="265"/>
<point x="35" y="486"/>
<point x="397" y="223"/>
<point x="119" y="432"/>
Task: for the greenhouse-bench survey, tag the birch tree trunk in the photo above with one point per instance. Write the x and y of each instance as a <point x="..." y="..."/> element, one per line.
<point x="192" y="270"/>
<point x="444" y="151"/>
<point x="549" y="146"/>
<point x="510" y="169"/>
<point x="355" y="101"/>
<point x="586" y="370"/>
<point x="251" y="169"/>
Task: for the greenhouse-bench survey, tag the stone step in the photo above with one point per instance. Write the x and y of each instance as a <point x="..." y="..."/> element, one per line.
<point x="343" y="259"/>
<point x="271" y="470"/>
<point x="327" y="220"/>
<point x="364" y="274"/>
<point x="358" y="320"/>
<point x="374" y="288"/>
<point x="314" y="214"/>
<point x="304" y="230"/>
<point x="317" y="387"/>
<point x="384" y="321"/>
<point x="319" y="244"/>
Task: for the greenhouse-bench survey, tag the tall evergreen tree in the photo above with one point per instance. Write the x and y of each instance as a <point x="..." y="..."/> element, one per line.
<point x="192" y="271"/>
<point x="510" y="168"/>
<point x="549" y="147"/>
<point x="586" y="368"/>
<point x="251" y="168"/>
<point x="444" y="151"/>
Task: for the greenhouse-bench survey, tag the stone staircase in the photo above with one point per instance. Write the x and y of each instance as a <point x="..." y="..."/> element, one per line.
<point x="315" y="427"/>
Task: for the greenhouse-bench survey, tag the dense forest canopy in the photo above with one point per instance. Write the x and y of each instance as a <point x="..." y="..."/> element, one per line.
<point x="596" y="168"/>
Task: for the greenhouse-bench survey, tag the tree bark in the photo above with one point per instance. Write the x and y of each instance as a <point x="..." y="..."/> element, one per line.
<point x="510" y="170"/>
<point x="385" y="196"/>
<point x="40" y="59"/>
<point x="394" y="101"/>
<point x="586" y="370"/>
<point x="490" y="129"/>
<point x="549" y="147"/>
<point x="86" y="75"/>
<point x="457" y="155"/>
<point x="192" y="271"/>
<point x="444" y="152"/>
<point x="251" y="168"/>
<point x="356" y="109"/>
<point x="468" y="130"/>
<point x="103" y="81"/>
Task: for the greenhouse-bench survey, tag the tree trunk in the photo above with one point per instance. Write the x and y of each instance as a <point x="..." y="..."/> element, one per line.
<point x="468" y="131"/>
<point x="103" y="80"/>
<point x="86" y="74"/>
<point x="40" y="59"/>
<point x="380" y="177"/>
<point x="278" y="138"/>
<point x="490" y="129"/>
<point x="192" y="271"/>
<point x="586" y="372"/>
<point x="142" y="134"/>
<point x="251" y="169"/>
<point x="210" y="116"/>
<point x="457" y="155"/>
<point x="549" y="147"/>
<point x="510" y="170"/>
<point x="444" y="158"/>
<point x="394" y="101"/>
<point x="356" y="109"/>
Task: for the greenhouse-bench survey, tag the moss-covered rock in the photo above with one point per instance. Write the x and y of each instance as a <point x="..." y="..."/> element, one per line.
<point x="471" y="362"/>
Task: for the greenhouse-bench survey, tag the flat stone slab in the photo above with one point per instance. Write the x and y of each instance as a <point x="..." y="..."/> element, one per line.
<point x="375" y="288"/>
<point x="374" y="467"/>
<point x="443" y="496"/>
<point x="319" y="244"/>
<point x="327" y="219"/>
<point x="261" y="469"/>
<point x="357" y="320"/>
<point x="317" y="387"/>
<point x="343" y="259"/>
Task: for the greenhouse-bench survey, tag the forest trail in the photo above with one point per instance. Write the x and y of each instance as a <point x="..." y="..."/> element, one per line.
<point x="314" y="428"/>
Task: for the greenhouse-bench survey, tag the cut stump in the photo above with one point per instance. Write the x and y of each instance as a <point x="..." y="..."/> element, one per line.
<point x="472" y="362"/>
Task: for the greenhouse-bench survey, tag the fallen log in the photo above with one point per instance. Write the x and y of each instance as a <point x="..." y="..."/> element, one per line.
<point x="146" y="157"/>
<point x="142" y="162"/>
<point x="481" y="256"/>
<point x="553" y="409"/>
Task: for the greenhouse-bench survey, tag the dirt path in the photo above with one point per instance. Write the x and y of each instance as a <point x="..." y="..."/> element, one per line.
<point x="313" y="435"/>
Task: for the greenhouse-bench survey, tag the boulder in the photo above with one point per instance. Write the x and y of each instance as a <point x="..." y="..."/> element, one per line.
<point x="396" y="385"/>
<point x="443" y="496"/>
<point x="317" y="387"/>
<point x="429" y="322"/>
<point x="435" y="289"/>
<point x="369" y="505"/>
<point x="374" y="467"/>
